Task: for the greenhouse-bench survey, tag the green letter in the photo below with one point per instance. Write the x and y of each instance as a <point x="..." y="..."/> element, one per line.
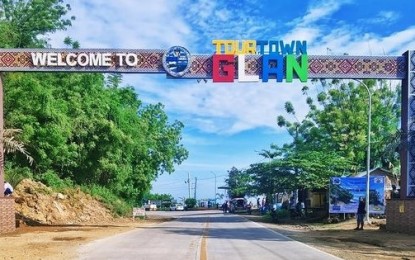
<point x="293" y="65"/>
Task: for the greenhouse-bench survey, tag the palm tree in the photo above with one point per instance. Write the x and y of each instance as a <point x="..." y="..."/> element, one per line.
<point x="11" y="145"/>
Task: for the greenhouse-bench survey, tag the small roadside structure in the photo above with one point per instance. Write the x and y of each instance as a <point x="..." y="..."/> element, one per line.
<point x="139" y="212"/>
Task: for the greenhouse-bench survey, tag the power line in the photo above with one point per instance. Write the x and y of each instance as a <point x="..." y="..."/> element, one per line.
<point x="211" y="178"/>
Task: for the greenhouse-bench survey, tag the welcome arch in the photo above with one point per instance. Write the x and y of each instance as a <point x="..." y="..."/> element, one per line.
<point x="178" y="63"/>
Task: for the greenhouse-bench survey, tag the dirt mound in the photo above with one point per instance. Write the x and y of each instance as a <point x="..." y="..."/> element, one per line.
<point x="37" y="203"/>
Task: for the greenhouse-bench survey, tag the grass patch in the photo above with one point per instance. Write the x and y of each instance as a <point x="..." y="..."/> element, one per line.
<point x="109" y="199"/>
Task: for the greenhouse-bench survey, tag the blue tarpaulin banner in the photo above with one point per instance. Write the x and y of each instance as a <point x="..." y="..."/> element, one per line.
<point x="346" y="191"/>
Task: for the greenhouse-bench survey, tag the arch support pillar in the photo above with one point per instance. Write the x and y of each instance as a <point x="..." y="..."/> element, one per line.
<point x="408" y="129"/>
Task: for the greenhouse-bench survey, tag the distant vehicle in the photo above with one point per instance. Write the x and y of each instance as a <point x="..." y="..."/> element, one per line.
<point x="150" y="207"/>
<point x="178" y="207"/>
<point x="238" y="205"/>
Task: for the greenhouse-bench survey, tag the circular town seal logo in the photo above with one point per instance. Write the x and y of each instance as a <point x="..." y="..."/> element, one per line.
<point x="176" y="61"/>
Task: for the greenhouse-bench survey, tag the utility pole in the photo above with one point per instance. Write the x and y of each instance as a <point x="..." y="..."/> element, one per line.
<point x="195" y="186"/>
<point x="188" y="183"/>
<point x="215" y="187"/>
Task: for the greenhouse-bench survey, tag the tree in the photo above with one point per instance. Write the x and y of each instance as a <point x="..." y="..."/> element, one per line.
<point x="12" y="145"/>
<point x="117" y="142"/>
<point x="83" y="127"/>
<point x="338" y="122"/>
<point x="295" y="170"/>
<point x="190" y="203"/>
<point x="158" y="197"/>
<point x="268" y="179"/>
<point x="21" y="25"/>
<point x="332" y="138"/>
<point x="24" y="23"/>
<point x="238" y="183"/>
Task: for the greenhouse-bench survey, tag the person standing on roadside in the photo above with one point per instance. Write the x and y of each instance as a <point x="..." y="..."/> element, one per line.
<point x="8" y="189"/>
<point x="225" y="207"/>
<point x="361" y="212"/>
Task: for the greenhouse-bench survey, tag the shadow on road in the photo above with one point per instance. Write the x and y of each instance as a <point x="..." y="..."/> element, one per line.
<point x="215" y="226"/>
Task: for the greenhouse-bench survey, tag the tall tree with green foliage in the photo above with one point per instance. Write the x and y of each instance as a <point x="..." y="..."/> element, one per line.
<point x="25" y="24"/>
<point x="332" y="138"/>
<point x="83" y="128"/>
<point x="86" y="128"/>
<point x="238" y="182"/>
<point x="289" y="170"/>
<point x="338" y="122"/>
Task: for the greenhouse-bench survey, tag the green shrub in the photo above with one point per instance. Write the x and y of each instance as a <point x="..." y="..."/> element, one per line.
<point x="106" y="196"/>
<point x="15" y="175"/>
<point x="190" y="203"/>
<point x="282" y="214"/>
<point x="276" y="215"/>
<point x="52" y="180"/>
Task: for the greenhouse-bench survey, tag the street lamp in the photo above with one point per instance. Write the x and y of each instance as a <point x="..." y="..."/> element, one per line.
<point x="323" y="82"/>
<point x="368" y="149"/>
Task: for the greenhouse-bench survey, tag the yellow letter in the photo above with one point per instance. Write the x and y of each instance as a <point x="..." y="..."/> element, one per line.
<point x="250" y="47"/>
<point x="230" y="46"/>
<point x="218" y="44"/>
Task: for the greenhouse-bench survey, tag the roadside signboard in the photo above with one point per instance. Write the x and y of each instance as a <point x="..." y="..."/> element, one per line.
<point x="139" y="212"/>
<point x="346" y="191"/>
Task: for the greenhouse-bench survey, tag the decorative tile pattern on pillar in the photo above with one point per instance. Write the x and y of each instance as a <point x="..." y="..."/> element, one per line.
<point x="410" y="174"/>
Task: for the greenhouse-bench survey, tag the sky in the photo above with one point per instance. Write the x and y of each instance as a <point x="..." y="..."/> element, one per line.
<point x="228" y="124"/>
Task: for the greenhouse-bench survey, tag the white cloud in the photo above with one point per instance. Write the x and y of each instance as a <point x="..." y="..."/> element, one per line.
<point x="318" y="11"/>
<point x="223" y="20"/>
<point x="309" y="34"/>
<point x="189" y="139"/>
<point x="348" y="40"/>
<point x="341" y="37"/>
<point x="126" y="24"/>
<point x="383" y="17"/>
<point x="225" y="108"/>
<point x="398" y="42"/>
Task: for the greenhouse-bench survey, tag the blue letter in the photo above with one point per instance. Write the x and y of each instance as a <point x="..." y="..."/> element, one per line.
<point x="274" y="68"/>
<point x="261" y="45"/>
<point x="286" y="48"/>
<point x="300" y="47"/>
<point x="271" y="50"/>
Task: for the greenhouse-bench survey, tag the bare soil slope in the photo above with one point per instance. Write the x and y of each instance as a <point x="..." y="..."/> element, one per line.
<point x="36" y="202"/>
<point x="52" y="225"/>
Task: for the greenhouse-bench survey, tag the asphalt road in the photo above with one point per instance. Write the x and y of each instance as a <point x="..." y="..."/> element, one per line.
<point x="201" y="235"/>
